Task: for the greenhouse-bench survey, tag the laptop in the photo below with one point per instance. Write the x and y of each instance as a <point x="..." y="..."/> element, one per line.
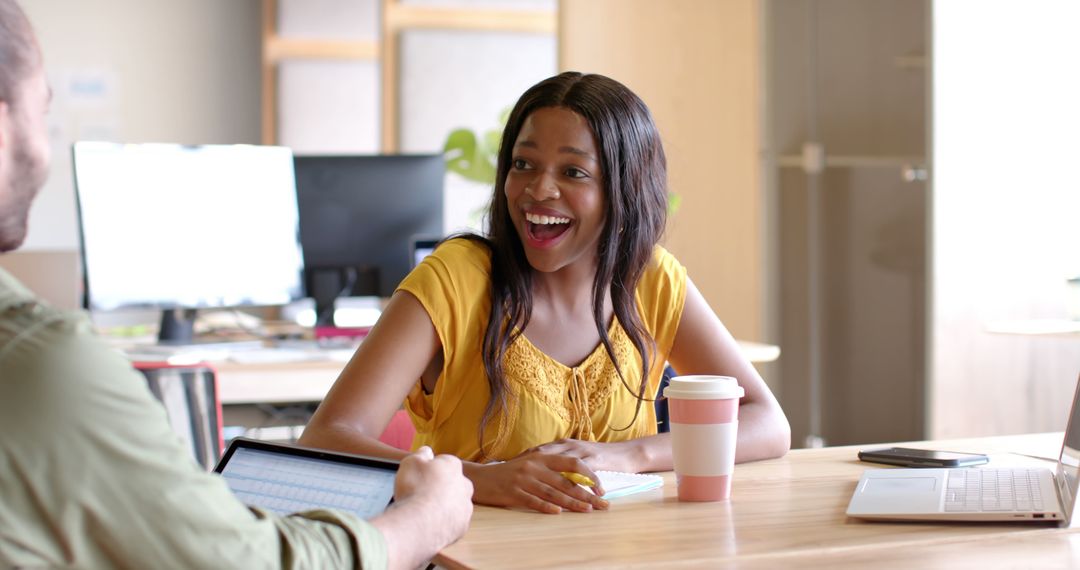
<point x="285" y="478"/>
<point x="976" y="493"/>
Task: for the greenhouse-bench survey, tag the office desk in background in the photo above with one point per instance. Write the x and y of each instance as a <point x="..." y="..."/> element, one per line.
<point x="276" y="382"/>
<point x="309" y="380"/>
<point x="1036" y="327"/>
<point x="784" y="513"/>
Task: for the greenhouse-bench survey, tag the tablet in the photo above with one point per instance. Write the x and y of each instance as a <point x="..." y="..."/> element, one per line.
<point x="285" y="478"/>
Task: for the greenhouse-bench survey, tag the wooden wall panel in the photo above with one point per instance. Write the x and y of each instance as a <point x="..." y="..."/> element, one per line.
<point x="696" y="63"/>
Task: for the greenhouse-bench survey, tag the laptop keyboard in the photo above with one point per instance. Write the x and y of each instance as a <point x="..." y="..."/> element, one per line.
<point x="978" y="490"/>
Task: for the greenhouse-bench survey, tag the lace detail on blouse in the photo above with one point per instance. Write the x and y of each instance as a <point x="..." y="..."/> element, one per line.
<point x="573" y="394"/>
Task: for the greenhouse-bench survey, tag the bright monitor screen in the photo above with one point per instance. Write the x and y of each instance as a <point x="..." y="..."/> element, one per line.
<point x="171" y="226"/>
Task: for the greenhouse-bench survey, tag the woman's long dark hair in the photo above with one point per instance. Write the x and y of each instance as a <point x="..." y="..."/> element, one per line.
<point x="634" y="173"/>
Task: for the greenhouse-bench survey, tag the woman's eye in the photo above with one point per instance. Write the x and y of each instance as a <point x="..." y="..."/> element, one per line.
<point x="519" y="164"/>
<point x="575" y="173"/>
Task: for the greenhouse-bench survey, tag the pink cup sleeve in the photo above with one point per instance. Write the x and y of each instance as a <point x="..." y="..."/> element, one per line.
<point x="703" y="411"/>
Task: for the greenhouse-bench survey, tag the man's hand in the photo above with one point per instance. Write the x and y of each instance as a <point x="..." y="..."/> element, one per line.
<point x="437" y="482"/>
<point x="432" y="507"/>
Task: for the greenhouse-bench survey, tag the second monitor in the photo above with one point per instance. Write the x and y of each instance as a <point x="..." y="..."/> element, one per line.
<point x="359" y="216"/>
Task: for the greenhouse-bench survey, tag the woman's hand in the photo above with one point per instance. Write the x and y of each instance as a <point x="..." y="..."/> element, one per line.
<point x="534" y="480"/>
<point x="614" y="456"/>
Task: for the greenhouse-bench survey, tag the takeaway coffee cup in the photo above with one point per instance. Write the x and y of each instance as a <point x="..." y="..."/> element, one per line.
<point x="703" y="411"/>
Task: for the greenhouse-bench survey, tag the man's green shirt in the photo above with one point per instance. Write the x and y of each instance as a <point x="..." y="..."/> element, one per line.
<point x="92" y="475"/>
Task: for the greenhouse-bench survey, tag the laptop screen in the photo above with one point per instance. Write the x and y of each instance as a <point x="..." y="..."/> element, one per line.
<point x="287" y="479"/>
<point x="1068" y="470"/>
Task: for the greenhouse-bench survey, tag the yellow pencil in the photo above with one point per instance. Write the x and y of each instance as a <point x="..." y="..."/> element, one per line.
<point x="578" y="478"/>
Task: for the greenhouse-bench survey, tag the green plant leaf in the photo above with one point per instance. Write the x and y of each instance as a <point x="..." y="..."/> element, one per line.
<point x="464" y="156"/>
<point x="475" y="157"/>
<point x="492" y="139"/>
<point x="459" y="149"/>
<point x="673" y="203"/>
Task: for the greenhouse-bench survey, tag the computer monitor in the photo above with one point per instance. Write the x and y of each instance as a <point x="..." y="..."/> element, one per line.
<point x="181" y="228"/>
<point x="359" y="216"/>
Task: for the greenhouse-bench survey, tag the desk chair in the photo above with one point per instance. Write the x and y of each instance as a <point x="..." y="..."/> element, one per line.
<point x="189" y="394"/>
<point x="663" y="424"/>
<point x="399" y="432"/>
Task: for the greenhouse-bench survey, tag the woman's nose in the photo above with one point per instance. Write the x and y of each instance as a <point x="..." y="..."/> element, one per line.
<point x="543" y="187"/>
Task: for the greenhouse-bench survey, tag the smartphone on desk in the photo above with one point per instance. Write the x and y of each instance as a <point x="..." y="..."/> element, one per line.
<point x="907" y="457"/>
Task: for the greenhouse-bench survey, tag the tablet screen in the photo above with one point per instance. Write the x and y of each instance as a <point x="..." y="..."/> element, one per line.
<point x="285" y="483"/>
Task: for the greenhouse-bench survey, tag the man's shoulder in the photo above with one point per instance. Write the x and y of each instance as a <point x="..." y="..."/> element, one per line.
<point x="12" y="291"/>
<point x="28" y="323"/>
<point x="54" y="369"/>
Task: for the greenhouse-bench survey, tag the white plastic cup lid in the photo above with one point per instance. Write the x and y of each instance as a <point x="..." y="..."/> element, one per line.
<point x="704" y="388"/>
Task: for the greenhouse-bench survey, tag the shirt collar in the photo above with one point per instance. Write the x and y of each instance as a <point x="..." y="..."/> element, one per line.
<point x="12" y="292"/>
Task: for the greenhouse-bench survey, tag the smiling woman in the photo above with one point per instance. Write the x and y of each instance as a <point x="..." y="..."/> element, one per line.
<point x="536" y="349"/>
<point x="554" y="190"/>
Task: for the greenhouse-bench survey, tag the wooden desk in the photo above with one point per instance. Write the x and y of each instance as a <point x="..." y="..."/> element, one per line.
<point x="784" y="513"/>
<point x="276" y="383"/>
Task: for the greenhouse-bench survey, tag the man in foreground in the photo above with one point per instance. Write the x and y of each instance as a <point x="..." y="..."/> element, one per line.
<point x="91" y="474"/>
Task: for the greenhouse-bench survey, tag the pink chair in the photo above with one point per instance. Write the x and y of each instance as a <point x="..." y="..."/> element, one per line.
<point x="399" y="432"/>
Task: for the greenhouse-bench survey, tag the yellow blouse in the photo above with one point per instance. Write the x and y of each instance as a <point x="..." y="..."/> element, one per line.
<point x="551" y="401"/>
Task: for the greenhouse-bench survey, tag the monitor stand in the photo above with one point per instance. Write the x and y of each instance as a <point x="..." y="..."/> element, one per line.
<point x="177" y="327"/>
<point x="177" y="335"/>
<point x="325" y="283"/>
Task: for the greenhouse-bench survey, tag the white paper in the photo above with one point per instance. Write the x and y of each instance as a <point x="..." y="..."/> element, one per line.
<point x="617" y="484"/>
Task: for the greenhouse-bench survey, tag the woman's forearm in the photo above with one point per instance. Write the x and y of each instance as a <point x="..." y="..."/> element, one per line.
<point x="650" y="453"/>
<point x="763" y="433"/>
<point x="349" y="440"/>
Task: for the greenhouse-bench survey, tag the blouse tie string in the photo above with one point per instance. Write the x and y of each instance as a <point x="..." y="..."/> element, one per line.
<point x="580" y="417"/>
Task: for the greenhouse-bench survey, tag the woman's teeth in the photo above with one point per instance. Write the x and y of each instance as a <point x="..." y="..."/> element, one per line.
<point x="546" y="220"/>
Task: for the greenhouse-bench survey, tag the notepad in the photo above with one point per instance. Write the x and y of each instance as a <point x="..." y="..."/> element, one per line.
<point x="617" y="484"/>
